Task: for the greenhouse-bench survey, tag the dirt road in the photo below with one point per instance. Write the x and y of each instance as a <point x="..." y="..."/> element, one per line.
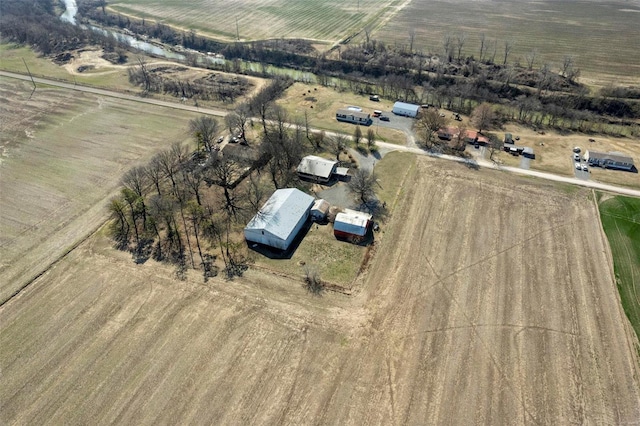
<point x="486" y="303"/>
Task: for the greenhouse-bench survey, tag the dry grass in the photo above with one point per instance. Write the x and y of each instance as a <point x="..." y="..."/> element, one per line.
<point x="322" y="108"/>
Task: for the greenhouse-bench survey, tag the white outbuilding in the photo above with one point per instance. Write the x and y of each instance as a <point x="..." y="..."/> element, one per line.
<point x="352" y="224"/>
<point x="403" y="108"/>
<point x="280" y="219"/>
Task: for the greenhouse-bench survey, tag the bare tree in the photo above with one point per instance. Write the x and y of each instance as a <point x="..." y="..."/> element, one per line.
<point x="447" y="47"/>
<point x="460" y="40"/>
<point x="427" y="125"/>
<point x="357" y="135"/>
<point x="412" y="37"/>
<point x="371" y="138"/>
<point x="223" y="172"/>
<point x="237" y="121"/>
<point x="568" y="69"/>
<point x="508" y="46"/>
<point x="204" y="129"/>
<point x="136" y="181"/>
<point x="337" y="144"/>
<point x="495" y="144"/>
<point x="154" y="172"/>
<point x="483" y="46"/>
<point x="482" y="116"/>
<point x="362" y="184"/>
<point x="531" y="58"/>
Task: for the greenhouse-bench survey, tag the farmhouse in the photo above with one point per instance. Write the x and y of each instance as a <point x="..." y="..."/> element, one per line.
<point x="319" y="169"/>
<point x="448" y="133"/>
<point x="474" y="137"/>
<point x="352" y="224"/>
<point x="609" y="160"/>
<point x="408" y="110"/>
<point x="352" y="116"/>
<point x="280" y="219"/>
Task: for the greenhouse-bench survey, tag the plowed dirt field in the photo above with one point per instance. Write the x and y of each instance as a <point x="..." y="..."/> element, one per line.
<point x="490" y="300"/>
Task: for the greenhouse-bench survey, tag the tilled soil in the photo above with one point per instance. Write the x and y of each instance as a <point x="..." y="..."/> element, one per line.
<point x="490" y="300"/>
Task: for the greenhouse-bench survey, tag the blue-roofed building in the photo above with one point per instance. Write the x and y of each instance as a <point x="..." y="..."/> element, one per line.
<point x="403" y="108"/>
<point x="280" y="219"/>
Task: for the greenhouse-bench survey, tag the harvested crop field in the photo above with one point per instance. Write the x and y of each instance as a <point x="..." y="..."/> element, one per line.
<point x="586" y="29"/>
<point x="62" y="155"/>
<point x="329" y="20"/>
<point x="486" y="303"/>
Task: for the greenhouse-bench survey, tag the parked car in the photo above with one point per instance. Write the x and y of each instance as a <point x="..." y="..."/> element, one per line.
<point x="377" y="113"/>
<point x="577" y="166"/>
<point x="384" y="118"/>
<point x="576" y="157"/>
<point x="576" y="149"/>
<point x="584" y="168"/>
<point x="374" y="98"/>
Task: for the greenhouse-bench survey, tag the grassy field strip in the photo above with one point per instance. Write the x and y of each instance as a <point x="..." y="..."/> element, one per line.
<point x="621" y="221"/>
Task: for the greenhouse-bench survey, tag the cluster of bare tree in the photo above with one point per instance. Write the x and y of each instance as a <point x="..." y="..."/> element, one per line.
<point x="213" y="86"/>
<point x="181" y="207"/>
<point x="36" y="24"/>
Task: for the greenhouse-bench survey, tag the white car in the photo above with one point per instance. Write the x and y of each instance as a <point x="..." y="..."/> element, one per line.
<point x="577" y="166"/>
<point x="584" y="168"/>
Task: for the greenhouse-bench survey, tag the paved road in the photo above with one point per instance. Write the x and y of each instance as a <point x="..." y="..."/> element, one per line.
<point x="384" y="145"/>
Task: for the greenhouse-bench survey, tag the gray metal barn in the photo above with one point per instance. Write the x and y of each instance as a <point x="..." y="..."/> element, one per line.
<point x="403" y="108"/>
<point x="280" y="219"/>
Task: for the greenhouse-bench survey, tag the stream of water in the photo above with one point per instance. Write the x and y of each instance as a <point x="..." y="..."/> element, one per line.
<point x="69" y="15"/>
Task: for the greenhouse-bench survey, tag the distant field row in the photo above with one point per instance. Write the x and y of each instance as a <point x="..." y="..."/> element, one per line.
<point x="603" y="36"/>
<point x="329" y="20"/>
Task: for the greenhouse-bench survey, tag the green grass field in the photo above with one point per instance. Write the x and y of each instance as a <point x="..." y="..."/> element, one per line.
<point x="621" y="221"/>
<point x="328" y="20"/>
<point x="603" y="36"/>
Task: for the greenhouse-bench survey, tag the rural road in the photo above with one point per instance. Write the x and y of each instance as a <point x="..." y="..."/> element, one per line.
<point x="388" y="146"/>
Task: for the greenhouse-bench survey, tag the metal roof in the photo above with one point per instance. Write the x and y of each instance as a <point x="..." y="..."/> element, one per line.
<point x="316" y="166"/>
<point x="406" y="106"/>
<point x="349" y="112"/>
<point x="282" y="212"/>
<point x="612" y="156"/>
<point x="352" y="222"/>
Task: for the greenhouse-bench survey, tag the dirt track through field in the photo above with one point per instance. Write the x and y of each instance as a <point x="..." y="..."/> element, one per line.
<point x="487" y="303"/>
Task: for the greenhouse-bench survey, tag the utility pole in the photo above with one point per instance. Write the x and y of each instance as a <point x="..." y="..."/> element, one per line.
<point x="32" y="81"/>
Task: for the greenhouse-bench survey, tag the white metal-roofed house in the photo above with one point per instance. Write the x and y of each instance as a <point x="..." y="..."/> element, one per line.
<point x="353" y="116"/>
<point x="280" y="219"/>
<point x="351" y="224"/>
<point x="316" y="168"/>
<point x="403" y="108"/>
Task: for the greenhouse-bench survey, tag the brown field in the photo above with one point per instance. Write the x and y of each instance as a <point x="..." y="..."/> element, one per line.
<point x="63" y="153"/>
<point x="322" y="109"/>
<point x="483" y="305"/>
<point x="327" y="21"/>
<point x="602" y="35"/>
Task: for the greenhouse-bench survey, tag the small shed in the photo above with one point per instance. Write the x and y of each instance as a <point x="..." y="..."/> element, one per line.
<point x="352" y="224"/>
<point x="319" y="210"/>
<point x="508" y="138"/>
<point x="280" y="219"/>
<point x="405" y="109"/>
